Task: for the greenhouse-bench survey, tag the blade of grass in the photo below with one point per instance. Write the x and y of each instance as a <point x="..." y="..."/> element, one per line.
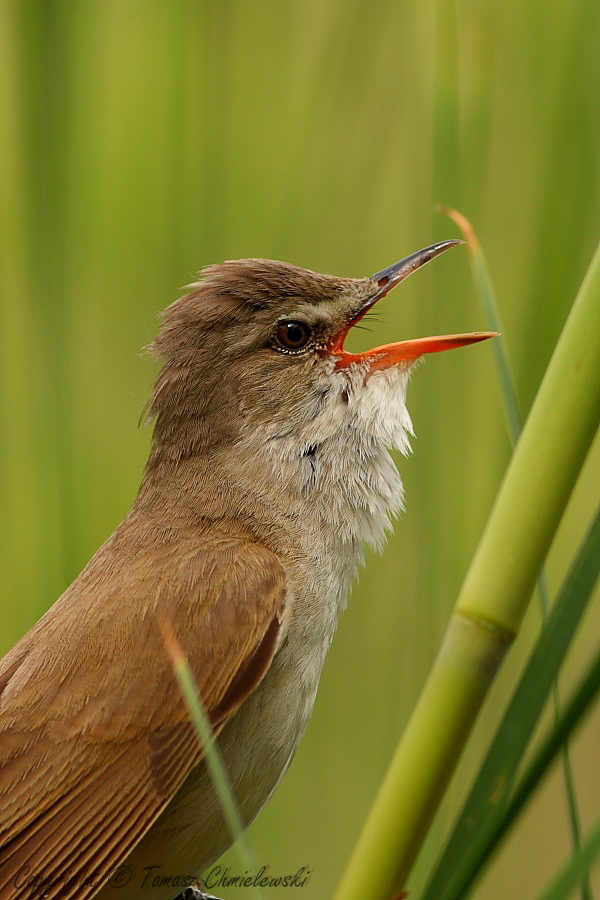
<point x="491" y="604"/>
<point x="490" y="837"/>
<point x="497" y="773"/>
<point x="576" y="869"/>
<point x="212" y="756"/>
<point x="483" y="282"/>
<point x="482" y="279"/>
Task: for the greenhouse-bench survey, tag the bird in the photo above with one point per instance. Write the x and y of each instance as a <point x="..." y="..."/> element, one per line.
<point x="269" y="473"/>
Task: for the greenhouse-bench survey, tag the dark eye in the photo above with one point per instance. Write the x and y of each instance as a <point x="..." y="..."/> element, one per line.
<point x="292" y="335"/>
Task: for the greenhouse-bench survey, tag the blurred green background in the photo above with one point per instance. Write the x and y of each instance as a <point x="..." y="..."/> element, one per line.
<point x="142" y="140"/>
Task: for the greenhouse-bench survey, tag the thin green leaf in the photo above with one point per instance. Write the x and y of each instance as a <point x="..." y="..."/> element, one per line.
<point x="498" y="770"/>
<point x="212" y="756"/>
<point x="482" y="279"/>
<point x="576" y="869"/>
<point x="497" y="825"/>
<point x="544" y="757"/>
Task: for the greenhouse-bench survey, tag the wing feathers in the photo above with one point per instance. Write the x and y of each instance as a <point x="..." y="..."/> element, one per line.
<point x="94" y="735"/>
<point x="248" y="675"/>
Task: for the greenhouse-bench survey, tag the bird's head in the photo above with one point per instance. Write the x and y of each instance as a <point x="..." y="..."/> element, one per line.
<point x="256" y="349"/>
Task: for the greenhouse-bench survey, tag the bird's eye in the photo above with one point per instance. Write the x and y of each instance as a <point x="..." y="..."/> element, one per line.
<point x="292" y="335"/>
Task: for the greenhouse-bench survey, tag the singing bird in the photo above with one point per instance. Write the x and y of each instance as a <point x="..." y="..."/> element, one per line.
<point x="269" y="471"/>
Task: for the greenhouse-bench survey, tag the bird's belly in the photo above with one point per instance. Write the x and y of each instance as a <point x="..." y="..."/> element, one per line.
<point x="257" y="746"/>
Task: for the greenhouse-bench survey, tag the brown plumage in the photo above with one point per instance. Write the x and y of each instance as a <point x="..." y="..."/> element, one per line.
<point x="268" y="469"/>
<point x="95" y="737"/>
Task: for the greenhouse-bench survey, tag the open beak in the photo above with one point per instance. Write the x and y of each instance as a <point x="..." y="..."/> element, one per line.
<point x="403" y="351"/>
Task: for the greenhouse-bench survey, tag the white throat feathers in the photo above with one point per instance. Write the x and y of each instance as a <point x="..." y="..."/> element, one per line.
<point x="334" y="455"/>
